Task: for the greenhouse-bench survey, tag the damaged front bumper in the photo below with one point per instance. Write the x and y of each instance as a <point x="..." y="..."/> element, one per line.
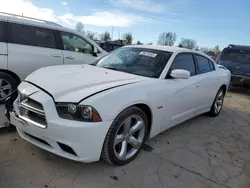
<point x="9" y="108"/>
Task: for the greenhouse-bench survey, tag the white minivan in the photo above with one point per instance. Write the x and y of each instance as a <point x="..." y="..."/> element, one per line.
<point x="27" y="44"/>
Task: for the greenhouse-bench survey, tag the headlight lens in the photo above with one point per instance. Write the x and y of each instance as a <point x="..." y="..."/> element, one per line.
<point x="78" y="112"/>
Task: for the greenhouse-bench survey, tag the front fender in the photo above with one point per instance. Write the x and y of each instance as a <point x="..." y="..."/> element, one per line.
<point x="111" y="102"/>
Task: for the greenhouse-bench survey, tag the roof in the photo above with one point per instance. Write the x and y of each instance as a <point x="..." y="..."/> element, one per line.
<point x="239" y="47"/>
<point x="28" y="20"/>
<point x="173" y="49"/>
<point x="42" y="23"/>
<point x="165" y="48"/>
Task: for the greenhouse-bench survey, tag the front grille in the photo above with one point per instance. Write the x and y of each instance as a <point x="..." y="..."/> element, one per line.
<point x="32" y="111"/>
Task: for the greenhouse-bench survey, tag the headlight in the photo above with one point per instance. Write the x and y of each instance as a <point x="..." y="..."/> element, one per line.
<point x="78" y="112"/>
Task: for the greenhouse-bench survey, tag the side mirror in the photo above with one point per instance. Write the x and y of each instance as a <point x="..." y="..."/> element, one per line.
<point x="180" y="74"/>
<point x="95" y="51"/>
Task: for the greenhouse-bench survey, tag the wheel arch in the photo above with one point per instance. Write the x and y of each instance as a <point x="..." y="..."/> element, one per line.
<point x="148" y="112"/>
<point x="15" y="76"/>
<point x="224" y="88"/>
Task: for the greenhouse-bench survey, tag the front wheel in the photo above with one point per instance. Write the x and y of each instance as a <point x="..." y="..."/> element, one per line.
<point x="125" y="137"/>
<point x="7" y="85"/>
<point x="217" y="104"/>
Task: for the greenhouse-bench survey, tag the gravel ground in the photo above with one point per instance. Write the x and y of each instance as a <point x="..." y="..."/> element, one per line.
<point x="201" y="153"/>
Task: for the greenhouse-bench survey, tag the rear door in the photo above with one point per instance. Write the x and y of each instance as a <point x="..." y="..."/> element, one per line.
<point x="3" y="46"/>
<point x="209" y="81"/>
<point x="76" y="50"/>
<point x="236" y="60"/>
<point x="31" y="48"/>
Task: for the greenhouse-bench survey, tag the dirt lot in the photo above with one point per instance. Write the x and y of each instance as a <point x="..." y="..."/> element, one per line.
<point x="203" y="152"/>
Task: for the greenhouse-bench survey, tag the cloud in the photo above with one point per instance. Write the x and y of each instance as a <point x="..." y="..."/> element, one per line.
<point x="27" y="8"/>
<point x="64" y="3"/>
<point x="98" y="18"/>
<point x="107" y="18"/>
<point x="142" y="5"/>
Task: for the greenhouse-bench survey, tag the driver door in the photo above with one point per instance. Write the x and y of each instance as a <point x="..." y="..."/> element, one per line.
<point x="185" y="93"/>
<point x="76" y="50"/>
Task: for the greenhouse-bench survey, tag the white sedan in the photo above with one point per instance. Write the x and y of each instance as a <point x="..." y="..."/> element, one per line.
<point x="110" y="108"/>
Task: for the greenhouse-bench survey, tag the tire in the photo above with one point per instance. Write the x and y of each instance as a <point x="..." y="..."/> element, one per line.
<point x="6" y="81"/>
<point x="214" y="110"/>
<point x="112" y="151"/>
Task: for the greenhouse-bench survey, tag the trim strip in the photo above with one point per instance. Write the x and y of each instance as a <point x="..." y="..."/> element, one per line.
<point x="31" y="122"/>
<point x="31" y="108"/>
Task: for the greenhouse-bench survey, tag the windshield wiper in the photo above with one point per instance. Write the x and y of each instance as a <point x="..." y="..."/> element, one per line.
<point x="111" y="68"/>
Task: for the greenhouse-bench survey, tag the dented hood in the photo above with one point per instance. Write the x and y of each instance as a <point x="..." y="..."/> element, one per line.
<point x="72" y="83"/>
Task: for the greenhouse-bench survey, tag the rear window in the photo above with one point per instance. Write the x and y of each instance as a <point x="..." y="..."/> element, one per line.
<point x="236" y="55"/>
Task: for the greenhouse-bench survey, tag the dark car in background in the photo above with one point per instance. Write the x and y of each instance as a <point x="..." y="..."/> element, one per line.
<point x="109" y="46"/>
<point x="236" y="58"/>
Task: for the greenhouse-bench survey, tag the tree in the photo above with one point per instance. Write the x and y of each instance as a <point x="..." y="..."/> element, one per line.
<point x="204" y="49"/>
<point x="91" y="35"/>
<point x="80" y="27"/>
<point x="216" y="50"/>
<point x="105" y="36"/>
<point x="128" y="37"/>
<point x="188" y="43"/>
<point x="139" y="43"/>
<point x="167" y="38"/>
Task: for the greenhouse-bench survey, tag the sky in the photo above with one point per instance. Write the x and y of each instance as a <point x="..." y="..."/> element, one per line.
<point x="209" y="22"/>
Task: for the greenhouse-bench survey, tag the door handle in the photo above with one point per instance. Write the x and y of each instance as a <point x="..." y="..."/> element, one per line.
<point x="55" y="55"/>
<point x="69" y="57"/>
<point x="198" y="85"/>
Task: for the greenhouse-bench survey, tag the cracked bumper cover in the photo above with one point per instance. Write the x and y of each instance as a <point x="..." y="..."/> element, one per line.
<point x="84" y="138"/>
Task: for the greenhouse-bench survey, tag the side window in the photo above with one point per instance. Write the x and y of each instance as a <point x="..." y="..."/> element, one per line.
<point x="75" y="43"/>
<point x="2" y="31"/>
<point x="211" y="65"/>
<point x="203" y="64"/>
<point x="33" y="36"/>
<point x="184" y="61"/>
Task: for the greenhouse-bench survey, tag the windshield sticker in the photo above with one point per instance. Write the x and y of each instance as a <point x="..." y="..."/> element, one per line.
<point x="149" y="54"/>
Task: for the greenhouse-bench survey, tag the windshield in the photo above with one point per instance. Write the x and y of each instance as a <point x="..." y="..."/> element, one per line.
<point x="139" y="61"/>
<point x="236" y="56"/>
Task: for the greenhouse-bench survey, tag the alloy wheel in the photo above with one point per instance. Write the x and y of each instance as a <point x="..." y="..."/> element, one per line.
<point x="218" y="102"/>
<point x="5" y="89"/>
<point x="129" y="137"/>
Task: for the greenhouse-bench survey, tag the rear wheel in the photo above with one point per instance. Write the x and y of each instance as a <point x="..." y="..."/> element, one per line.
<point x="217" y="104"/>
<point x="7" y="85"/>
<point x="125" y="137"/>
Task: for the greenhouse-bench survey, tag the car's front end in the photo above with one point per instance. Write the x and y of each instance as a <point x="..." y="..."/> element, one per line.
<point x="55" y="117"/>
<point x="38" y="120"/>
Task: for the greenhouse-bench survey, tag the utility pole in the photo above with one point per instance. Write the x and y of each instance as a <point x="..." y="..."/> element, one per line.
<point x="112" y="32"/>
